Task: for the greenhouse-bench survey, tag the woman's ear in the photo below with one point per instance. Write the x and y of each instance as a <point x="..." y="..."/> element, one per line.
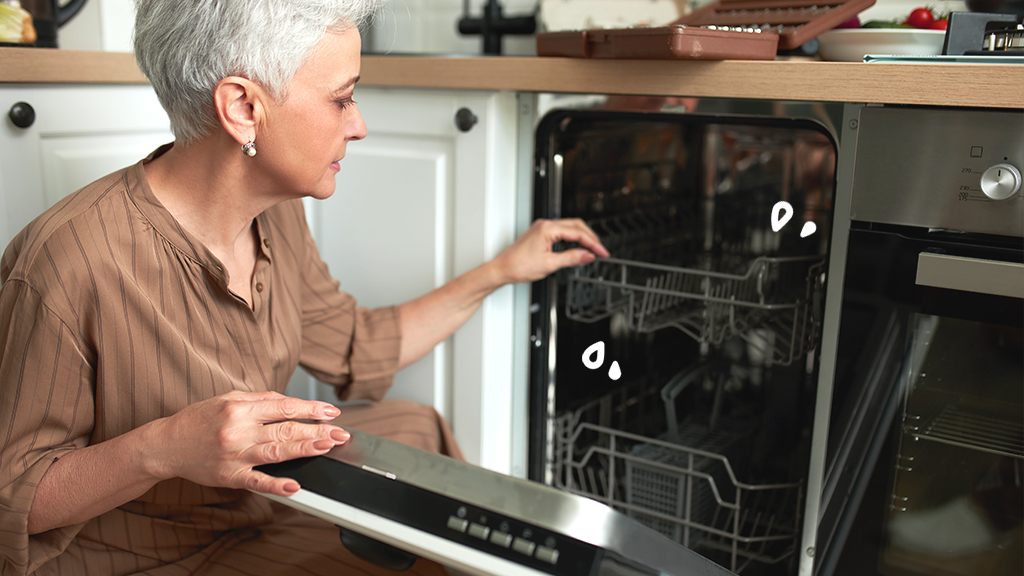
<point x="239" y="105"/>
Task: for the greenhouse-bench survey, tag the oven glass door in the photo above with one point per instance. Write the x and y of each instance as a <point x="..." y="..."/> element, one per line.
<point x="946" y="495"/>
<point x="956" y="499"/>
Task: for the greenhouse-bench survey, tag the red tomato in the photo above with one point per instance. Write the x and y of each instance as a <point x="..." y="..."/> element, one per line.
<point x="921" y="18"/>
<point x="851" y="23"/>
<point x="940" y="24"/>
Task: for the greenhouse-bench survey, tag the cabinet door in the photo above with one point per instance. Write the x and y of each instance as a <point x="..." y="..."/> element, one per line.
<point x="80" y="133"/>
<point x="417" y="203"/>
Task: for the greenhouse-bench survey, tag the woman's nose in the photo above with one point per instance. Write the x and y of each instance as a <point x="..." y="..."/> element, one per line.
<point x="356" y="128"/>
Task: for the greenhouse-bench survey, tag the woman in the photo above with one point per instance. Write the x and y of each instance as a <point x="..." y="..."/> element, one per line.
<point x="149" y="322"/>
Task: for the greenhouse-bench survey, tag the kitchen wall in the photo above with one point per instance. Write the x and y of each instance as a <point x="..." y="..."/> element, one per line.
<point x="404" y="26"/>
<point x="100" y="25"/>
<point x="430" y="26"/>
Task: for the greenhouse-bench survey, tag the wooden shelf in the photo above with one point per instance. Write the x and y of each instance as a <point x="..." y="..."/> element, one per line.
<point x="930" y="84"/>
<point x="976" y="85"/>
<point x="45" y="65"/>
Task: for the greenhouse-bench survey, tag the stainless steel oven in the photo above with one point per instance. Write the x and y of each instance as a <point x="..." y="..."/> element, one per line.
<point x="920" y="406"/>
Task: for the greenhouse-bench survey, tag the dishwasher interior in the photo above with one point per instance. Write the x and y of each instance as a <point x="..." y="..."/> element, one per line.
<point x="675" y="380"/>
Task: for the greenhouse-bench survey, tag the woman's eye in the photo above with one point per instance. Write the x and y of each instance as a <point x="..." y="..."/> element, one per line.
<point x="344" y="103"/>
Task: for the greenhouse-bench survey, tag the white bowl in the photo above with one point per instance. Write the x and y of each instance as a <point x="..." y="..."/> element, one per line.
<point x="851" y="44"/>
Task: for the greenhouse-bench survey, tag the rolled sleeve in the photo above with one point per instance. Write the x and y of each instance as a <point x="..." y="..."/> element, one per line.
<point x="46" y="411"/>
<point x="354" y="348"/>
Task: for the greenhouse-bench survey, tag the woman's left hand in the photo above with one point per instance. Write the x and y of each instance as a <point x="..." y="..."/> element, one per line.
<point x="532" y="257"/>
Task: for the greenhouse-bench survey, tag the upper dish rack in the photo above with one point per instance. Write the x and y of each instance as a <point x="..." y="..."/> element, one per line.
<point x="767" y="303"/>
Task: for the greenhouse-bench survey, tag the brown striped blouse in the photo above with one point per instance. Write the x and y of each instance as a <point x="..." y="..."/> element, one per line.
<point x="112" y="315"/>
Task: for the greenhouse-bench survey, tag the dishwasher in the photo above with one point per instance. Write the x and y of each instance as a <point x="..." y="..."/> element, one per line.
<point x="675" y="380"/>
<point x="672" y="385"/>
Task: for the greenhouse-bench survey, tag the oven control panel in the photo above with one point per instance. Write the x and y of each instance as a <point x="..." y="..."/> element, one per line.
<point x="957" y="169"/>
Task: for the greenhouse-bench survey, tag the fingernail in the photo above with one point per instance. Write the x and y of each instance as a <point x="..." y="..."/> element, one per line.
<point x="332" y="411"/>
<point x="291" y="487"/>
<point x="323" y="444"/>
<point x="339" y="435"/>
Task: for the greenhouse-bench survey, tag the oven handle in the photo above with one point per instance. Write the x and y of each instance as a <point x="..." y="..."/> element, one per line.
<point x="970" y="274"/>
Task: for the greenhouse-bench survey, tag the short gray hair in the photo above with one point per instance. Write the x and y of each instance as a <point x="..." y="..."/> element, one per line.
<point x="185" y="47"/>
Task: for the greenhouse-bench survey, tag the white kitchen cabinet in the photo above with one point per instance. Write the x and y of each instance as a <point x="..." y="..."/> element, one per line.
<point x="80" y="133"/>
<point x="418" y="202"/>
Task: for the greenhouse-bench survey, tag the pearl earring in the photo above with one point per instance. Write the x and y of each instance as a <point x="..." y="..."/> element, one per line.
<point x="249" y="149"/>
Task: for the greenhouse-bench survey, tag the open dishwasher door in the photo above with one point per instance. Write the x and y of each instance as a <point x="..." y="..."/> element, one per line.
<point x="391" y="500"/>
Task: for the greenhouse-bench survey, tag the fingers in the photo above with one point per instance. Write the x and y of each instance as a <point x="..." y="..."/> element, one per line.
<point x="274" y="452"/>
<point x="276" y="409"/>
<point x="587" y="237"/>
<point x="574" y="257"/>
<point x="267" y="484"/>
<point x="574" y="230"/>
<point x="291" y="431"/>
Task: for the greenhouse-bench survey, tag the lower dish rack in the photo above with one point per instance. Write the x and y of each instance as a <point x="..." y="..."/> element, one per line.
<point x="683" y="485"/>
<point x="768" y="303"/>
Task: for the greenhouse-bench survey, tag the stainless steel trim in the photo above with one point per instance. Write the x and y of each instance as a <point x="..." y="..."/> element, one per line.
<point x="970" y="274"/>
<point x="829" y="336"/>
<point x="380" y="472"/>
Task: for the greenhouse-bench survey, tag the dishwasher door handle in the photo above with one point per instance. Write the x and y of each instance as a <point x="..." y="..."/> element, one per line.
<point x="970" y="274"/>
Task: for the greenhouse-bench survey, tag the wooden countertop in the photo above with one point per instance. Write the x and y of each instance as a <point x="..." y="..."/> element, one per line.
<point x="976" y="85"/>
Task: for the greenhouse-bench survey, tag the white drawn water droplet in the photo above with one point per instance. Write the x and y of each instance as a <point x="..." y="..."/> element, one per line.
<point x="808" y="229"/>
<point x="614" y="373"/>
<point x="595" y="348"/>
<point x="778" y="221"/>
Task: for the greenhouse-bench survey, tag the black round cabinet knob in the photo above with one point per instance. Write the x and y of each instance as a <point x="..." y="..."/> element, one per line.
<point x="22" y="114"/>
<point x="465" y="119"/>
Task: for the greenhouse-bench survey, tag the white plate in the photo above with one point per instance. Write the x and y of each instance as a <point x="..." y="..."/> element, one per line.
<point x="851" y="44"/>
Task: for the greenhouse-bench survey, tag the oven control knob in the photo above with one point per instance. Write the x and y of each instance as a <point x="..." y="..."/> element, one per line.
<point x="1000" y="181"/>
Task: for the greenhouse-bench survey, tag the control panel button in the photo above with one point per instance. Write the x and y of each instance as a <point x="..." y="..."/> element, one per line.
<point x="1001" y="181"/>
<point x="501" y="539"/>
<point x="545" y="554"/>
<point x="479" y="531"/>
<point x="523" y="546"/>
<point x="457" y="523"/>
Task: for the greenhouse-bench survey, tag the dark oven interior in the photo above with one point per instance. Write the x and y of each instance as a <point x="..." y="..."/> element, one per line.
<point x="675" y="380"/>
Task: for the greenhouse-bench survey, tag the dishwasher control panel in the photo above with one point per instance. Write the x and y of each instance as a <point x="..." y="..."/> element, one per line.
<point x="496" y="534"/>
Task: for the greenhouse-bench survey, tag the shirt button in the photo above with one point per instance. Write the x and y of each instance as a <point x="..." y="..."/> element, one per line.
<point x="259" y="286"/>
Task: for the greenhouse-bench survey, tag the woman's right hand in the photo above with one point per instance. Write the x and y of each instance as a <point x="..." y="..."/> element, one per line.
<point x="218" y="441"/>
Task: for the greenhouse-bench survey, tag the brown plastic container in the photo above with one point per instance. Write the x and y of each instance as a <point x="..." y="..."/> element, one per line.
<point x="724" y="29"/>
<point x="666" y="42"/>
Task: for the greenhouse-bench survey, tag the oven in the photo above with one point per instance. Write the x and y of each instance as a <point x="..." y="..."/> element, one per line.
<point x="919" y="416"/>
<point x="802" y="358"/>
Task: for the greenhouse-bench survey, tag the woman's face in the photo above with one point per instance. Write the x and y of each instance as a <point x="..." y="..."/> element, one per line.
<point x="304" y="136"/>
